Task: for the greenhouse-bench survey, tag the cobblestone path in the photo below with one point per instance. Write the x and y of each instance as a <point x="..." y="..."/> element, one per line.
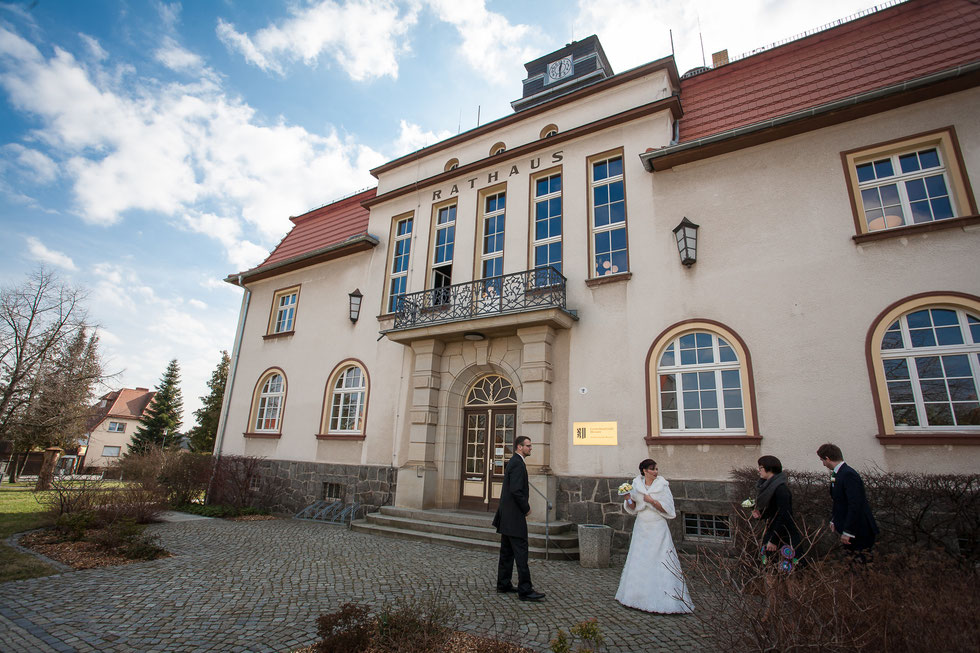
<point x="259" y="586"/>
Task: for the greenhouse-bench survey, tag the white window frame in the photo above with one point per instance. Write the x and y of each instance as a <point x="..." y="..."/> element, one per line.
<point x="437" y="268"/>
<point x="400" y="275"/>
<point x="970" y="348"/>
<point x="700" y="524"/>
<point x="716" y="367"/>
<point x="285" y="303"/>
<point x="107" y="447"/>
<point x="111" y="428"/>
<point x="270" y="400"/>
<point x="610" y="227"/>
<point x="500" y="212"/>
<point x="344" y="395"/>
<point x="900" y="180"/>
<point x="546" y="199"/>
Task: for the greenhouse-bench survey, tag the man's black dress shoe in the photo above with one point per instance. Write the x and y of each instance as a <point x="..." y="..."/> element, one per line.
<point x="532" y="596"/>
<point x="504" y="590"/>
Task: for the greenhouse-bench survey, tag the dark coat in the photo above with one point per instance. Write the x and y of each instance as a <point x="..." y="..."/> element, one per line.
<point x="778" y="517"/>
<point x="851" y="512"/>
<point x="510" y="518"/>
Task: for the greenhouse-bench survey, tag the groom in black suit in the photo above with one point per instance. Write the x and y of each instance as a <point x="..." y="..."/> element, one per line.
<point x="851" y="516"/>
<point x="511" y="522"/>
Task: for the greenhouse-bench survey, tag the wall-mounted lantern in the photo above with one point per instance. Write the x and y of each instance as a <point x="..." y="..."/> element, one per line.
<point x="686" y="234"/>
<point x="355" y="304"/>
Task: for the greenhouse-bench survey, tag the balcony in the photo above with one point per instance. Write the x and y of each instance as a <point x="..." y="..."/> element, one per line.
<point x="526" y="298"/>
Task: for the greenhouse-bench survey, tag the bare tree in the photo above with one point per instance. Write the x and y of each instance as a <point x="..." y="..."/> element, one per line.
<point x="49" y="362"/>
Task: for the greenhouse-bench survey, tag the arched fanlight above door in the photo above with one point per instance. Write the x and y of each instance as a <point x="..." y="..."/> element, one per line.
<point x="491" y="390"/>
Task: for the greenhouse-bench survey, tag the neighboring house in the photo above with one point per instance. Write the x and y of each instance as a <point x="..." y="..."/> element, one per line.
<point x="110" y="429"/>
<point x="530" y="276"/>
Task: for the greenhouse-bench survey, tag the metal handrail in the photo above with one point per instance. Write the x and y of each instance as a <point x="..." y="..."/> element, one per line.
<point x="509" y="293"/>
<point x="547" y="521"/>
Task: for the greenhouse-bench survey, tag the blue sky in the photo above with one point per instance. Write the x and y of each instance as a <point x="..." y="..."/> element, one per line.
<point x="149" y="149"/>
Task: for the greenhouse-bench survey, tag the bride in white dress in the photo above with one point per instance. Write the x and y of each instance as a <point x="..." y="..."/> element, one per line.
<point x="651" y="579"/>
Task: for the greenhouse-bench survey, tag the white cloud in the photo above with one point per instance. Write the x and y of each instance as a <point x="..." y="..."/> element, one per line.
<point x="94" y="47"/>
<point x="41" y="253"/>
<point x="33" y="166"/>
<point x="363" y="36"/>
<point x="197" y="303"/>
<point x="178" y="149"/>
<point x="634" y="32"/>
<point x="176" y="58"/>
<point x="490" y="43"/>
<point x="411" y="138"/>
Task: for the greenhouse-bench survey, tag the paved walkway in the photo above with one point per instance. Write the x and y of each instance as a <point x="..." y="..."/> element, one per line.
<point x="259" y="586"/>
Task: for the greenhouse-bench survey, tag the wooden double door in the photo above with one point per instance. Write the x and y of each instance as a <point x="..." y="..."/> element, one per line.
<point x="488" y="443"/>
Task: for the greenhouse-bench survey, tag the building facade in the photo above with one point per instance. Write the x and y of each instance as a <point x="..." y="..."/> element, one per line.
<point x="110" y="429"/>
<point x="530" y="277"/>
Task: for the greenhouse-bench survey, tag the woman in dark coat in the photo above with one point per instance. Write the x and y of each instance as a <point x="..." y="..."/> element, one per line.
<point x="774" y="504"/>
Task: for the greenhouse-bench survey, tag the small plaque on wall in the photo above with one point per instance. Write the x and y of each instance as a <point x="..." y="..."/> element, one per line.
<point x="594" y="433"/>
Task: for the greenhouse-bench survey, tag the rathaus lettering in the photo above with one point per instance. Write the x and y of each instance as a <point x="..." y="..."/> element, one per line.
<point x="496" y="175"/>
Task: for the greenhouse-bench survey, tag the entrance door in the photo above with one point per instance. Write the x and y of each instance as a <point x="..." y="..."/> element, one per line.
<point x="488" y="445"/>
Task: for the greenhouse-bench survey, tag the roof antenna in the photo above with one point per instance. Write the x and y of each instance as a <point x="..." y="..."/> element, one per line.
<point x="671" y="42"/>
<point x="478" y="115"/>
<point x="459" y="122"/>
<point x="704" y="62"/>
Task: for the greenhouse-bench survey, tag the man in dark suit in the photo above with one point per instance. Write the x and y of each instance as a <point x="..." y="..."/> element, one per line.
<point x="851" y="516"/>
<point x="511" y="522"/>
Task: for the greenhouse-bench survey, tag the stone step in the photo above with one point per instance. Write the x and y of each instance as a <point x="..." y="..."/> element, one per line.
<point x="363" y="526"/>
<point x="472" y="519"/>
<point x="483" y="532"/>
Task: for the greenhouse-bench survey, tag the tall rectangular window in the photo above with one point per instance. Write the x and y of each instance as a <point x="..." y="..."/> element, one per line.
<point x="492" y="251"/>
<point x="283" y="317"/>
<point x="608" y="216"/>
<point x="442" y="258"/>
<point x="546" y="244"/>
<point x="400" y="252"/>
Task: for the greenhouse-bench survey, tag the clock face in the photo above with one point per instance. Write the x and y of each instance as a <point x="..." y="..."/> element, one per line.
<point x="559" y="69"/>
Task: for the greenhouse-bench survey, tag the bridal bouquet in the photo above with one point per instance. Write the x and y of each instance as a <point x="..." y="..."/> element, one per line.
<point x="748" y="503"/>
<point x="625" y="489"/>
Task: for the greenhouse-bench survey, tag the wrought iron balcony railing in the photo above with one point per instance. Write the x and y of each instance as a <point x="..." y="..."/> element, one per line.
<point x="510" y="293"/>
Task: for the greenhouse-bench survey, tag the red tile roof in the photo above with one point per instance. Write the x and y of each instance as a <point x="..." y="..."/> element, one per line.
<point x="328" y="225"/>
<point x="128" y="403"/>
<point x="897" y="44"/>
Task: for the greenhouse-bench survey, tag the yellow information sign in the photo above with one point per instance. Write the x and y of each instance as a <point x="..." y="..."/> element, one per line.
<point x="594" y="433"/>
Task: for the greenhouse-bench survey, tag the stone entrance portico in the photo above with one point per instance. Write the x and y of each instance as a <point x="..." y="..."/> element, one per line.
<point x="521" y="348"/>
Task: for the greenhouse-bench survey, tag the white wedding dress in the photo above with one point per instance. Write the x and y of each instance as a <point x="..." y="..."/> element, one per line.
<point x="651" y="577"/>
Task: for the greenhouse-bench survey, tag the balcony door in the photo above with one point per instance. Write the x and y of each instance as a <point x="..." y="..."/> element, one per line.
<point x="489" y="428"/>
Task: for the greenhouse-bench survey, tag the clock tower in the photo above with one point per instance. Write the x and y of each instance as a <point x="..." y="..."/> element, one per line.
<point x="578" y="64"/>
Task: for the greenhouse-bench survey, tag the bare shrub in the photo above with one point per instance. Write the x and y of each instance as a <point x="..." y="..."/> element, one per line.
<point x="348" y="630"/>
<point x="143" y="468"/>
<point x="68" y="497"/>
<point x="141" y="504"/>
<point x="932" y="511"/>
<point x="900" y="602"/>
<point x="236" y="481"/>
<point x="184" y="476"/>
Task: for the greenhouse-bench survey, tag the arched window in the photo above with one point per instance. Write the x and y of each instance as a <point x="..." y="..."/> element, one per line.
<point x="549" y="130"/>
<point x="268" y="403"/>
<point x="451" y="164"/>
<point x="498" y="148"/>
<point x="346" y="401"/>
<point x="926" y="366"/>
<point x="699" y="383"/>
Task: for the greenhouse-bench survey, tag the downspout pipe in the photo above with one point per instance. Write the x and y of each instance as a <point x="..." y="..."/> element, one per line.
<point x="230" y="385"/>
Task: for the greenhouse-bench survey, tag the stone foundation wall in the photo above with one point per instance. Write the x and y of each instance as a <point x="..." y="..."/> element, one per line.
<point x="292" y="485"/>
<point x="594" y="500"/>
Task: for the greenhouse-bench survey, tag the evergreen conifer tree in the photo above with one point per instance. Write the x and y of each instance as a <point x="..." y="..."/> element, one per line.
<point x="160" y="424"/>
<point x="203" y="434"/>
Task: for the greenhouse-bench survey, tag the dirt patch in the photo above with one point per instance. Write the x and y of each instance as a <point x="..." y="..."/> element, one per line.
<point x="78" y="555"/>
<point x="252" y="518"/>
<point x="458" y="643"/>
